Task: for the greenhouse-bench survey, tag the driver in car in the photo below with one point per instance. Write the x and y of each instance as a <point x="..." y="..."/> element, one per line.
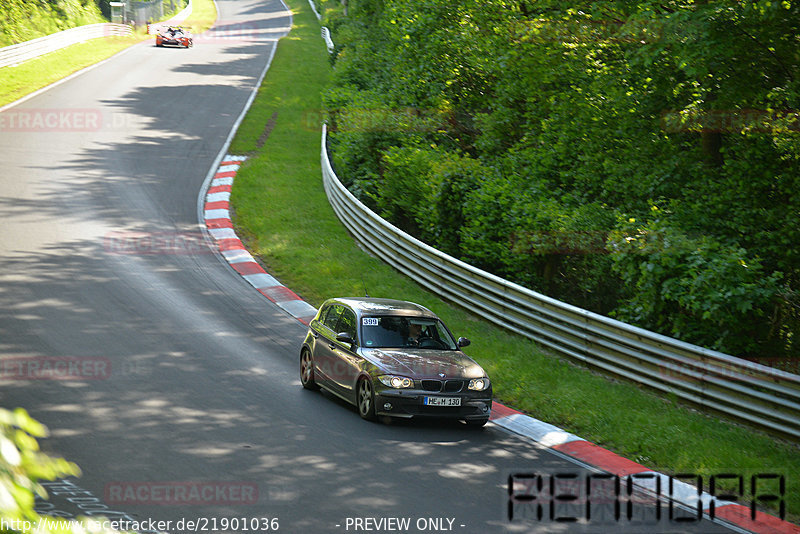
<point x="414" y="334"/>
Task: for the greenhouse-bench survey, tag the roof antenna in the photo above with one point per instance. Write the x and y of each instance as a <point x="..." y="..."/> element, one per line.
<point x="366" y="293"/>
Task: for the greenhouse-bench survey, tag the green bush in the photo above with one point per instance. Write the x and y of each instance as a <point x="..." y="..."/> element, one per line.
<point x="424" y="190"/>
<point x="694" y="287"/>
<point x="21" y="20"/>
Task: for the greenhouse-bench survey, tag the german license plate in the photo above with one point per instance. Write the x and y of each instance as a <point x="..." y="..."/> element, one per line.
<point x="441" y="401"/>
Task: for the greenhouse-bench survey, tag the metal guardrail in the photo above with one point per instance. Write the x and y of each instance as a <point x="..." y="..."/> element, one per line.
<point x="324" y="31"/>
<point x="326" y="35"/>
<point x="314" y="9"/>
<point x="21" y="52"/>
<point x="759" y="395"/>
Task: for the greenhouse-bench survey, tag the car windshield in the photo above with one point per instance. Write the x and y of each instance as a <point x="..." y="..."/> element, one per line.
<point x="395" y="332"/>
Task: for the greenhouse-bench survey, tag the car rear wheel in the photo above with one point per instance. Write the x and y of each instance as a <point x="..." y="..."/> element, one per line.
<point x="365" y="396"/>
<point x="307" y="371"/>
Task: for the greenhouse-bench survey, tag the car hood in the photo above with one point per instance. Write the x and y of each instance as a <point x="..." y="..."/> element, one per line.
<point x="424" y="363"/>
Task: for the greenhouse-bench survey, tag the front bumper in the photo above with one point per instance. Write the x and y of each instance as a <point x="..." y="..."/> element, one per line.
<point x="408" y="403"/>
<point x="174" y="42"/>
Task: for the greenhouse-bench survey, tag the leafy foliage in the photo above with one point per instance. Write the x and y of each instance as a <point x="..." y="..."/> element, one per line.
<point x="22" y="466"/>
<point x="540" y="129"/>
<point x="22" y="20"/>
<point x="696" y="288"/>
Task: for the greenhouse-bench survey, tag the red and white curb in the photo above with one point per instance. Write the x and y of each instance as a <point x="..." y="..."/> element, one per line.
<point x="218" y="222"/>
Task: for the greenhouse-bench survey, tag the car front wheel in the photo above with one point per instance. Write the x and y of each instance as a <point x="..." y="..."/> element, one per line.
<point x="307" y="371"/>
<point x="366" y="399"/>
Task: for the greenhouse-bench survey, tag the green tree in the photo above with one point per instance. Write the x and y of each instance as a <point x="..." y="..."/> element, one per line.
<point x="22" y="466"/>
<point x="547" y="120"/>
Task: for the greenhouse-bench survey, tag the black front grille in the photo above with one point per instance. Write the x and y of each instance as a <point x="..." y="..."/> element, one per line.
<point x="453" y="386"/>
<point x="432" y="385"/>
<point x="448" y="386"/>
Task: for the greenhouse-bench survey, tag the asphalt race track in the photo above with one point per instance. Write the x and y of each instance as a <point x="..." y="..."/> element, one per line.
<point x="169" y="380"/>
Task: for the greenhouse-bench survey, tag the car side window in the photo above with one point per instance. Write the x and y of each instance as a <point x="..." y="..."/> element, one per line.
<point x="347" y="323"/>
<point x="332" y="316"/>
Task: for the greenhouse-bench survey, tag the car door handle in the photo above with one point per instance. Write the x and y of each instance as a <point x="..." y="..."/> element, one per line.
<point x="331" y="346"/>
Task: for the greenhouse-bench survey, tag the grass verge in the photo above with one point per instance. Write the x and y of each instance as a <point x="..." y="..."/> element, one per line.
<point x="40" y="72"/>
<point x="282" y="213"/>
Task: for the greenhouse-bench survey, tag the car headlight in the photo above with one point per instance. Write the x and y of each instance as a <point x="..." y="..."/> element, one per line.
<point x="478" y="384"/>
<point x="396" y="382"/>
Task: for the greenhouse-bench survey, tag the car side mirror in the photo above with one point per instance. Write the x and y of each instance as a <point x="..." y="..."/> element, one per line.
<point x="463" y="342"/>
<point x="344" y="337"/>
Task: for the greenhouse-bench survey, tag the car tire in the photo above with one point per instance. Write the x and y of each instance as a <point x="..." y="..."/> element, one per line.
<point x="476" y="423"/>
<point x="365" y="397"/>
<point x="307" y="371"/>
